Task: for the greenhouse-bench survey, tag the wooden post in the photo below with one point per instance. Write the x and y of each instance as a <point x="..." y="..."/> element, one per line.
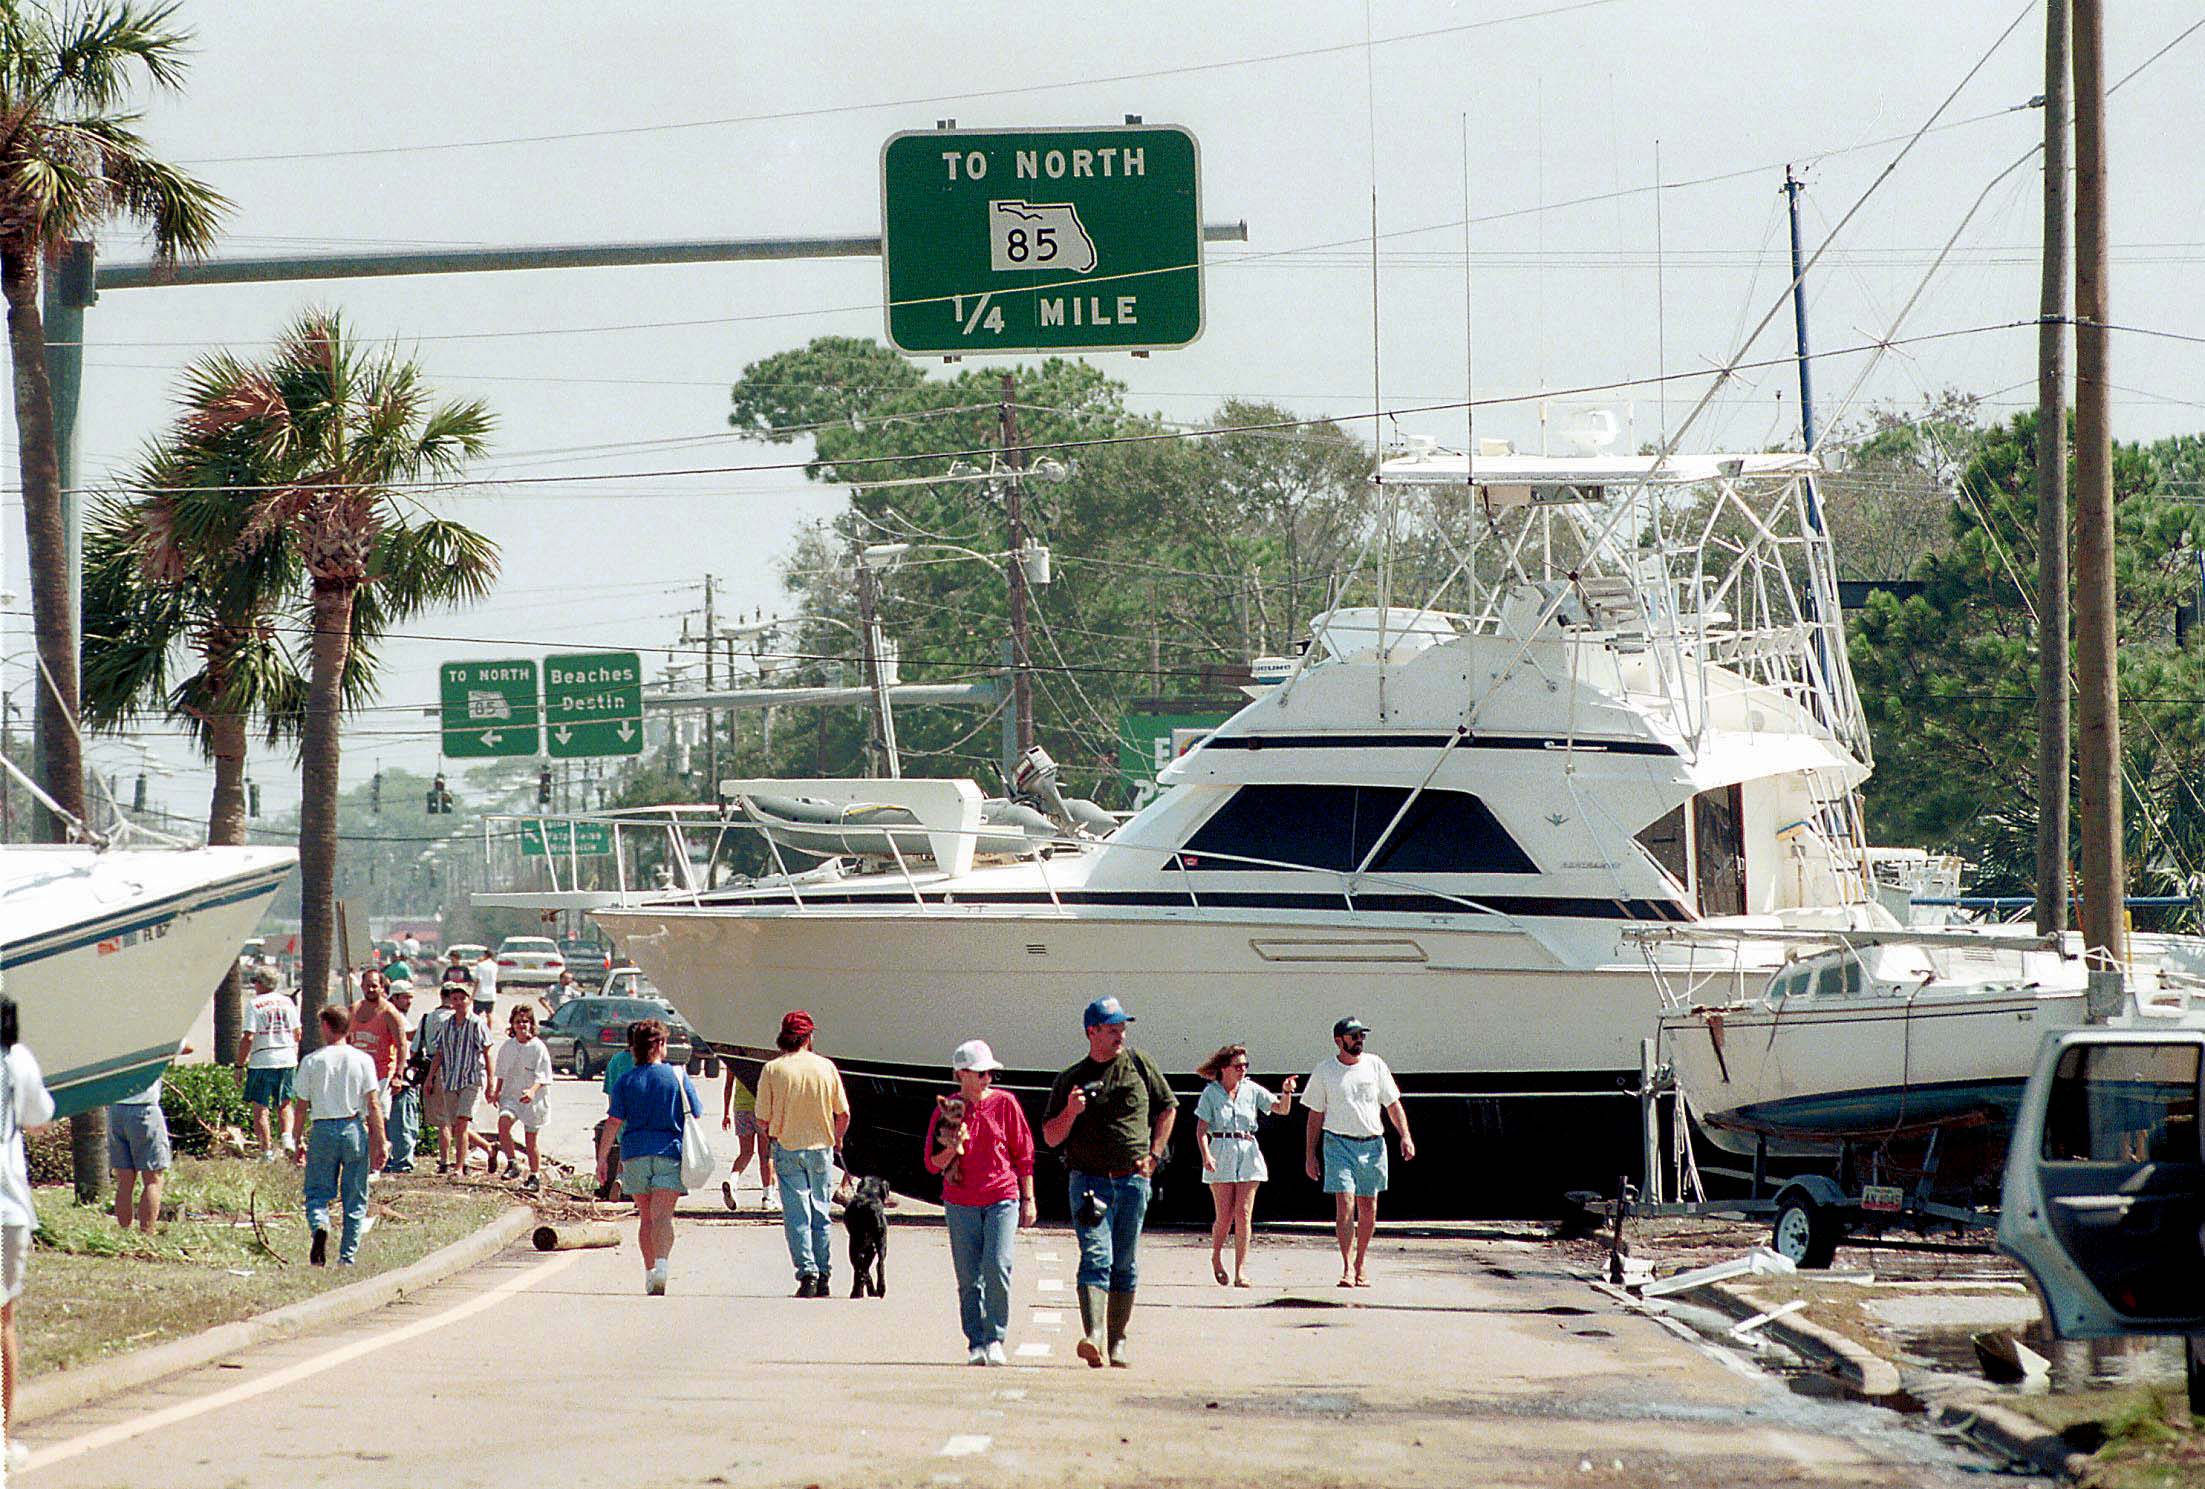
<point x="2052" y="640"/>
<point x="2096" y="697"/>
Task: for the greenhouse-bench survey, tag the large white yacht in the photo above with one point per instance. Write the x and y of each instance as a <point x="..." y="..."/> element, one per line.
<point x="1635" y="709"/>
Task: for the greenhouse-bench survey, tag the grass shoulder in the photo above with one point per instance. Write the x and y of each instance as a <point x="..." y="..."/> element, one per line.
<point x="236" y="1247"/>
<point x="2139" y="1437"/>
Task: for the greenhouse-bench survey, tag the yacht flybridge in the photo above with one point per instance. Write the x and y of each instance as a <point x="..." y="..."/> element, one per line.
<point x="1628" y="705"/>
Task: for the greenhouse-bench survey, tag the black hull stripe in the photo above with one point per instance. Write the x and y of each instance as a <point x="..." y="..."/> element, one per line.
<point x="1434" y="741"/>
<point x="1527" y="906"/>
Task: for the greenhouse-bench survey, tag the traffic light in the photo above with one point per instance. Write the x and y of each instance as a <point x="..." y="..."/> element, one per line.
<point x="252" y="798"/>
<point x="375" y="794"/>
<point x="137" y="794"/>
<point x="543" y="787"/>
<point x="440" y="799"/>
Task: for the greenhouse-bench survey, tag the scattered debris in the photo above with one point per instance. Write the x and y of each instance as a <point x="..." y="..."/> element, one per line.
<point x="1747" y="1326"/>
<point x="1759" y="1262"/>
<point x="2006" y="1360"/>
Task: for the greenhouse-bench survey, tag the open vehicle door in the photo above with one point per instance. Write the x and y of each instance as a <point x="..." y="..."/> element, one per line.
<point x="2105" y="1182"/>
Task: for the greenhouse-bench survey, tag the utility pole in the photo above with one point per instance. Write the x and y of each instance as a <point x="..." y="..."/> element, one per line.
<point x="711" y="719"/>
<point x="2052" y="643"/>
<point x="881" y="738"/>
<point x="2097" y="702"/>
<point x="1014" y="493"/>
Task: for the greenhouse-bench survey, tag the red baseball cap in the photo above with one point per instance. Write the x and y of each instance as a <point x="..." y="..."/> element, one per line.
<point x="796" y="1023"/>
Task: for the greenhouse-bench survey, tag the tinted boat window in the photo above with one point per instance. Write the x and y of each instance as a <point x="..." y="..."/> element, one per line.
<point x="1335" y="827"/>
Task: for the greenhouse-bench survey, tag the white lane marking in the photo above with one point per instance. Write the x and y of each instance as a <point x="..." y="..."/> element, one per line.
<point x="966" y="1445"/>
<point x="1048" y="1318"/>
<point x="1032" y="1351"/>
<point x="1045" y="1256"/>
<point x="1018" y="1394"/>
<point x="106" y="1437"/>
<point x="1050" y="1285"/>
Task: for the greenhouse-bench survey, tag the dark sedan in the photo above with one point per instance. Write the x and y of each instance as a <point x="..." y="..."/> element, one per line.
<point x="585" y="1033"/>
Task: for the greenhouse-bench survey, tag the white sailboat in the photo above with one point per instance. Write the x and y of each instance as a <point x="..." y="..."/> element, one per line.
<point x="1636" y="711"/>
<point x="111" y="952"/>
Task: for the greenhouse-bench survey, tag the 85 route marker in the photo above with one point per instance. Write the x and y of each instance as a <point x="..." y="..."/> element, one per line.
<point x="1042" y="240"/>
<point x="489" y="708"/>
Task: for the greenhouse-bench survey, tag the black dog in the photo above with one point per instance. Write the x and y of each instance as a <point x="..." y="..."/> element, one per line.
<point x="866" y="1215"/>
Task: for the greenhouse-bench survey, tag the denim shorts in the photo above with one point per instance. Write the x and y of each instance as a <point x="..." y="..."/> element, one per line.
<point x="652" y="1171"/>
<point x="270" y="1087"/>
<point x="1354" y="1165"/>
<point x="137" y="1137"/>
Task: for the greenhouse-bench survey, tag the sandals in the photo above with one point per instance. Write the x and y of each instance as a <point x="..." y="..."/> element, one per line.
<point x="1218" y="1269"/>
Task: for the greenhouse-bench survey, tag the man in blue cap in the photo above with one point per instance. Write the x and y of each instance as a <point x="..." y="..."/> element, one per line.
<point x="1111" y="1114"/>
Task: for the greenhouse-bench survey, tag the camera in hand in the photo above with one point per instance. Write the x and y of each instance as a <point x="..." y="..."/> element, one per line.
<point x="1092" y="1090"/>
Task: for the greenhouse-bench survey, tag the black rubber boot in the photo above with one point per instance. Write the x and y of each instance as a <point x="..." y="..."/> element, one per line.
<point x="1120" y="1319"/>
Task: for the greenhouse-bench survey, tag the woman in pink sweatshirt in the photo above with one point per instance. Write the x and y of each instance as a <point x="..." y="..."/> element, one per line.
<point x="987" y="1169"/>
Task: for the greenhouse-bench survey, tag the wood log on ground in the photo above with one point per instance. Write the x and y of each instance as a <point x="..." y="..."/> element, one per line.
<point x="577" y="1236"/>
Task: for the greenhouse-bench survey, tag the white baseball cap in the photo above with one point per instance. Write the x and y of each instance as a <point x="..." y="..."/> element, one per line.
<point x="974" y="1054"/>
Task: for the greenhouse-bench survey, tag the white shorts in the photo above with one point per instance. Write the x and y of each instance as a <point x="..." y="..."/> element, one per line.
<point x="528" y="1117"/>
<point x="15" y="1256"/>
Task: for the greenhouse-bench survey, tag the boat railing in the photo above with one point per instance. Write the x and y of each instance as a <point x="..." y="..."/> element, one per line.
<point x="676" y="825"/>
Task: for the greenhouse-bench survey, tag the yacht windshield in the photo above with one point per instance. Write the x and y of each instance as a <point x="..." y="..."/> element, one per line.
<point x="1334" y="828"/>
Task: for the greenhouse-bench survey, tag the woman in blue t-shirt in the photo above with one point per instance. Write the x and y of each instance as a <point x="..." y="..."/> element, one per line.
<point x="648" y="1108"/>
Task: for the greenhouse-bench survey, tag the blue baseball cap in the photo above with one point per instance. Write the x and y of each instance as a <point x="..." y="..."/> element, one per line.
<point x="1105" y="1011"/>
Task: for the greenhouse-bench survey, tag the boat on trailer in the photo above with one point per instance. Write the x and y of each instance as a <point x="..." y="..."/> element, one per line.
<point x="1628" y="705"/>
<point x="110" y="953"/>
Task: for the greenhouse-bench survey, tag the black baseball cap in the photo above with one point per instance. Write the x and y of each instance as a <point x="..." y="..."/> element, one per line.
<point x="1350" y="1025"/>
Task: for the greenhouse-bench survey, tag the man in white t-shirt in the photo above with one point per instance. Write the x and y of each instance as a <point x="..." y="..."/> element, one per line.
<point x="340" y="1091"/>
<point x="268" y="1053"/>
<point x="1349" y="1097"/>
<point x="486" y="984"/>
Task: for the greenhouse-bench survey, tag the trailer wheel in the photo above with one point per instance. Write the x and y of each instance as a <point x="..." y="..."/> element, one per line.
<point x="1806" y="1233"/>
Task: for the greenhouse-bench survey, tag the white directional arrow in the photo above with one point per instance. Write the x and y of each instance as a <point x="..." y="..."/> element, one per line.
<point x="563" y="734"/>
<point x="627" y="731"/>
<point x="490" y="738"/>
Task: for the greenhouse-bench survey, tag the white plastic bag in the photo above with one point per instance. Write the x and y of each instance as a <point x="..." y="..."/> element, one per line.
<point x="697" y="1163"/>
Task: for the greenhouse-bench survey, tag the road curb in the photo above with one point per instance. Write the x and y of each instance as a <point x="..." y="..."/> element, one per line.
<point x="104" y="1378"/>
<point x="2009" y="1432"/>
<point x="1861" y="1368"/>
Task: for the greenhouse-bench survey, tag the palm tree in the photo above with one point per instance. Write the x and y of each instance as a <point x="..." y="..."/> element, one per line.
<point x="70" y="160"/>
<point x="331" y="432"/>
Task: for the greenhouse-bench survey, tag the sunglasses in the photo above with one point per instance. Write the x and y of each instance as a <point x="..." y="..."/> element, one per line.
<point x="1236" y="1065"/>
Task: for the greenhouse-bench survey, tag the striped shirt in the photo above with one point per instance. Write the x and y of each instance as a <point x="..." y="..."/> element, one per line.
<point x="461" y="1040"/>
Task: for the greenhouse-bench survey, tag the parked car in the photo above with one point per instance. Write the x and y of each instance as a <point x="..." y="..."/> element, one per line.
<point x="627" y="981"/>
<point x="2105" y="1182"/>
<point x="525" y="961"/>
<point x="587" y="960"/>
<point x="583" y="1035"/>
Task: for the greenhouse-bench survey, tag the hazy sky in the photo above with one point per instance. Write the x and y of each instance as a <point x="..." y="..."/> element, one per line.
<point x="347" y="126"/>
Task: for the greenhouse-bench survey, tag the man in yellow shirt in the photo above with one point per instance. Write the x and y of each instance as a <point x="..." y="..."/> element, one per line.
<point x="805" y="1113"/>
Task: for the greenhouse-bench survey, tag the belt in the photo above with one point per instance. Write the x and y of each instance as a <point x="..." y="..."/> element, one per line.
<point x="1349" y="1137"/>
<point x="1110" y="1173"/>
<point x="1242" y="1136"/>
<point x="356" y="1116"/>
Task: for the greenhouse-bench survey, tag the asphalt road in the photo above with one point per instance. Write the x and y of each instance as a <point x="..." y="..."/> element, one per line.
<point x="1472" y="1361"/>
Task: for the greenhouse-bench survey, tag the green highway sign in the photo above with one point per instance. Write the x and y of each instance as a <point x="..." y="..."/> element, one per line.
<point x="579" y="839"/>
<point x="489" y="709"/>
<point x="593" y="704"/>
<point x="1042" y="240"/>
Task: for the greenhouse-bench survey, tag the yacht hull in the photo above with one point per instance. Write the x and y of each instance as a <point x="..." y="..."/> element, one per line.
<point x="111" y="956"/>
<point x="1516" y="1069"/>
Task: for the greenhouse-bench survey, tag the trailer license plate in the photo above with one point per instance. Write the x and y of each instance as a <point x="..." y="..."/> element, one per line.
<point x="1884" y="1197"/>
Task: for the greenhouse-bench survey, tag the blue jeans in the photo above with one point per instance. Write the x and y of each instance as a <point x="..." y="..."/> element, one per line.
<point x="802" y="1173"/>
<point x="337" y="1158"/>
<point x="980" y="1238"/>
<point x="404" y="1126"/>
<point x="1110" y="1252"/>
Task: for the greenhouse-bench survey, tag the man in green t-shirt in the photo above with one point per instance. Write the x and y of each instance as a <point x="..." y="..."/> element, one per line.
<point x="1111" y="1114"/>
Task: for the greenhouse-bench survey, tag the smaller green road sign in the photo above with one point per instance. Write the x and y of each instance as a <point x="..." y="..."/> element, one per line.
<point x="489" y="709"/>
<point x="1059" y="240"/>
<point x="580" y="839"/>
<point x="593" y="704"/>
